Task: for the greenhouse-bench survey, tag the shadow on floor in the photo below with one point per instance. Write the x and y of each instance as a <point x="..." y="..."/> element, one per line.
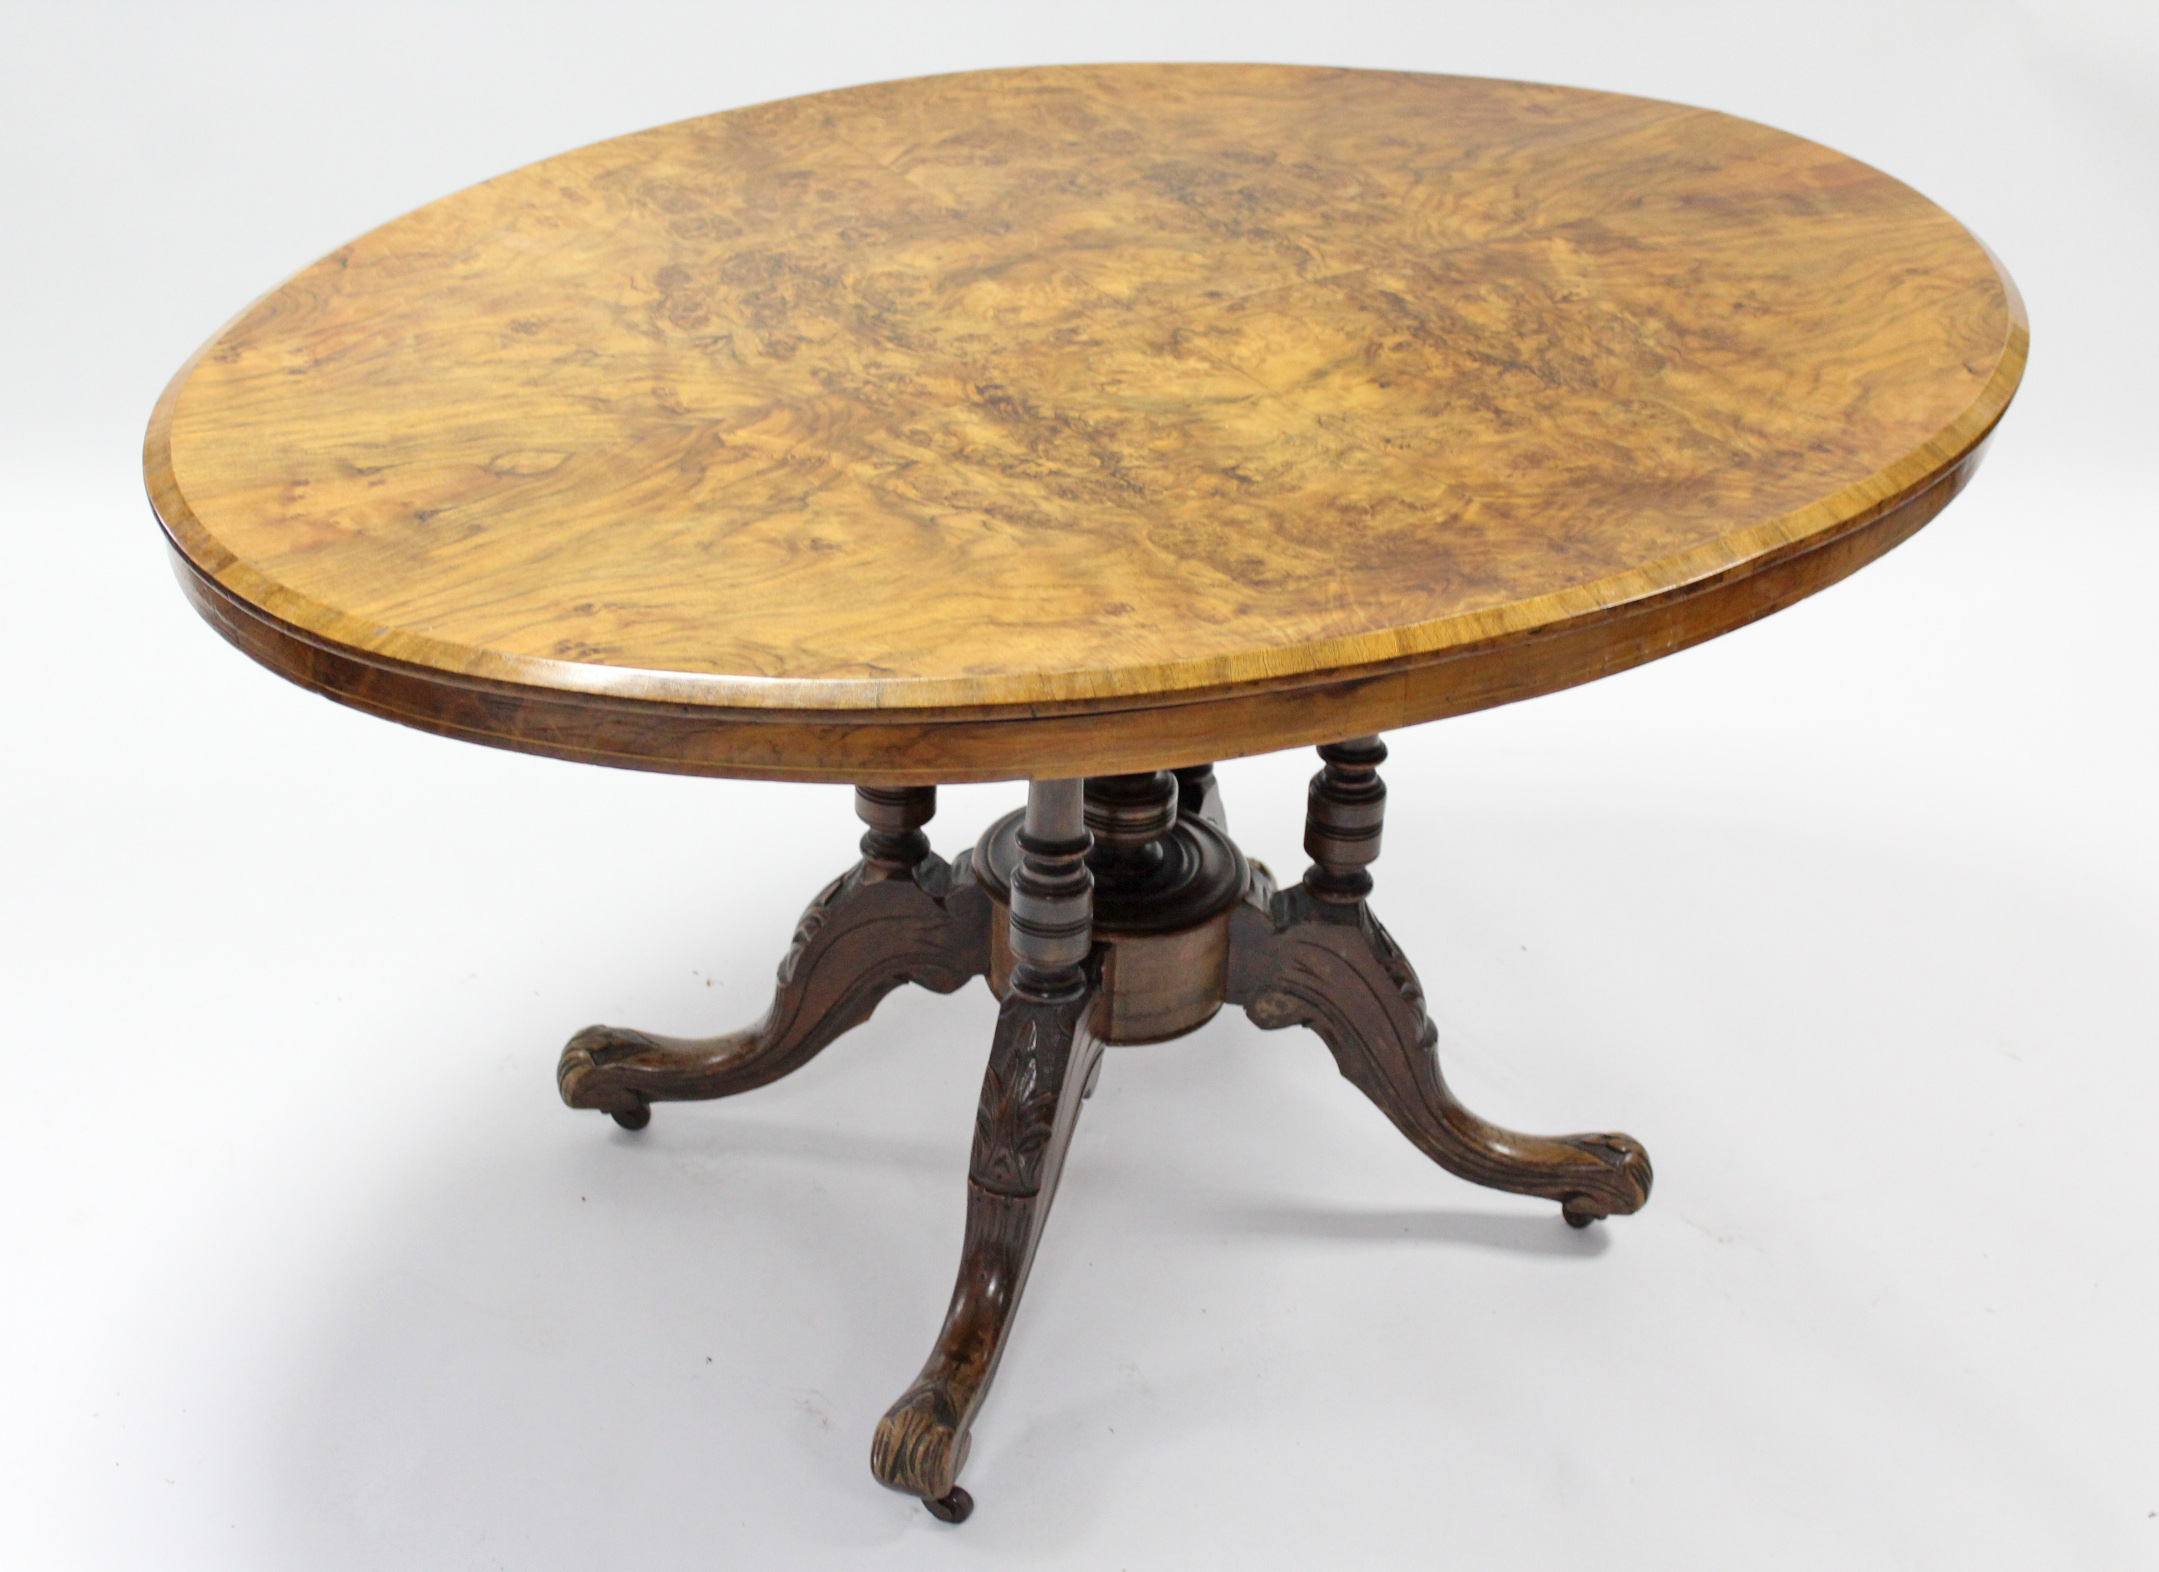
<point x="1522" y="1234"/>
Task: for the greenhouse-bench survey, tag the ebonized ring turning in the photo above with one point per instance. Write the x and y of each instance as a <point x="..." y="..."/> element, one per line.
<point x="1075" y="424"/>
<point x="1126" y="915"/>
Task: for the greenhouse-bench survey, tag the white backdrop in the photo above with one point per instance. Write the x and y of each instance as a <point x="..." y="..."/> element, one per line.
<point x="1849" y="916"/>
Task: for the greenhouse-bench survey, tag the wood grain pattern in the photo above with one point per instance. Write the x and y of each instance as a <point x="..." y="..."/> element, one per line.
<point x="1042" y="1067"/>
<point x="1042" y="1061"/>
<point x="900" y="915"/>
<point x="1334" y="968"/>
<point x="1314" y="955"/>
<point x="900" y="433"/>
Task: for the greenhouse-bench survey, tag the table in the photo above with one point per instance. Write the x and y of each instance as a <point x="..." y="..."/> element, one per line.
<point x="1081" y="425"/>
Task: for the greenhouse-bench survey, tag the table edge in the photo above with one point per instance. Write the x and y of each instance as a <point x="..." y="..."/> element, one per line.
<point x="1104" y="690"/>
<point x="990" y="743"/>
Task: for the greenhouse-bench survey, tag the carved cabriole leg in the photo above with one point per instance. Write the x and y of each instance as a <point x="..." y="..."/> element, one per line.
<point x="900" y="915"/>
<point x="1315" y="956"/>
<point x="1041" y="1061"/>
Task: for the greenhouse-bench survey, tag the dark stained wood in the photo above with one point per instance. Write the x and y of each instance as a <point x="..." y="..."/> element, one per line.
<point x="1128" y="817"/>
<point x="1199" y="795"/>
<point x="1086" y="425"/>
<point x="1315" y="956"/>
<point x="1041" y="1062"/>
<point x="900" y="915"/>
<point x="1312" y="955"/>
<point x="904" y="433"/>
<point x="1042" y="1066"/>
<point x="1345" y="810"/>
<point x="1164" y="887"/>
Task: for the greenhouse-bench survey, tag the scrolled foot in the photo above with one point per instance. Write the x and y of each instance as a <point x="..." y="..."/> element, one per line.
<point x="1621" y="1187"/>
<point x="865" y="935"/>
<point x="600" y="1065"/>
<point x="920" y="1446"/>
<point x="1329" y="965"/>
<point x="1039" y="1067"/>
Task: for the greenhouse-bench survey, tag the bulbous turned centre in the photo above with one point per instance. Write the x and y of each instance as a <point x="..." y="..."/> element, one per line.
<point x="1129" y="816"/>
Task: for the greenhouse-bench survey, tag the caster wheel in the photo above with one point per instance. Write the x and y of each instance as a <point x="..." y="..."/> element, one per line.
<point x="634" y="1118"/>
<point x="953" y="1508"/>
<point x="1575" y="1218"/>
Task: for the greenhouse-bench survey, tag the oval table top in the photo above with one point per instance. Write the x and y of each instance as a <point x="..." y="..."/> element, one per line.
<point x="1076" y="420"/>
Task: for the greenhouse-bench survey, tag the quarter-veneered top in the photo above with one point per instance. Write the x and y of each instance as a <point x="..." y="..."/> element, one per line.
<point x="988" y="400"/>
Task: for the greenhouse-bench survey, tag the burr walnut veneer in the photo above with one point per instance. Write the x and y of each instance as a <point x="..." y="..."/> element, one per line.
<point x="1080" y="425"/>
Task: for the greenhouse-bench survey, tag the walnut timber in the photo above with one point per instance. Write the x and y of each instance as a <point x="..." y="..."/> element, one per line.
<point x="900" y="434"/>
<point x="1081" y="425"/>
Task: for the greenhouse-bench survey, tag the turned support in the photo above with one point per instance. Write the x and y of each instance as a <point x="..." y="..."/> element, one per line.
<point x="1166" y="880"/>
<point x="1052" y="906"/>
<point x="894" y="843"/>
<point x="1114" y="909"/>
<point x="1345" y="809"/>
<point x="1199" y="796"/>
<point x="1128" y="817"/>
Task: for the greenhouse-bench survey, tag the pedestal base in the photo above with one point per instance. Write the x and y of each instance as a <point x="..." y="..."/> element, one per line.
<point x="1179" y="923"/>
<point x="1162" y="938"/>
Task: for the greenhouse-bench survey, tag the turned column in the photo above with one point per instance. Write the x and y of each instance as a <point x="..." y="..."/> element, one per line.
<point x="1052" y="906"/>
<point x="1128" y="816"/>
<point x="1344" y="811"/>
<point x="1199" y="796"/>
<point x="894" y="846"/>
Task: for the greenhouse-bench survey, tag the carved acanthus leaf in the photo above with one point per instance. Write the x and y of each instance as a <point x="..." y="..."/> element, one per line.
<point x="1018" y="1111"/>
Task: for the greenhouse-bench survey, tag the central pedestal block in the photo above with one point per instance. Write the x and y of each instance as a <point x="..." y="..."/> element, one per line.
<point x="1164" y="890"/>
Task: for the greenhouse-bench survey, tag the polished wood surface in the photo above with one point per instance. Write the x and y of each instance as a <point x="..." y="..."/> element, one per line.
<point x="900" y="915"/>
<point x="1312" y="955"/>
<point x="904" y="433"/>
<point x="1315" y="956"/>
<point x="1166" y="883"/>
